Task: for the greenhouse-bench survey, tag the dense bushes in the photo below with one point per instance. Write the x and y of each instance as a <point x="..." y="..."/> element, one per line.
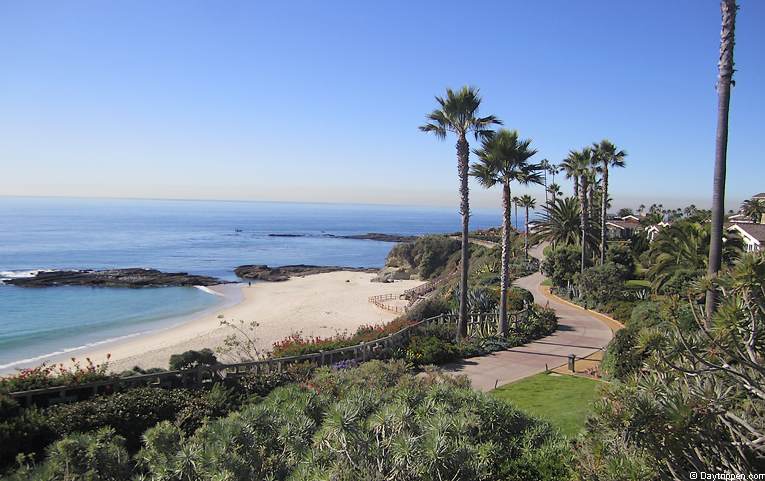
<point x="21" y="431"/>
<point x="191" y="359"/>
<point x="562" y="265"/>
<point x="130" y="413"/>
<point x="373" y="422"/>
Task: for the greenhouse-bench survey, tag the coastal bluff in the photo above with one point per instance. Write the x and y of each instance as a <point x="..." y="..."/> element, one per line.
<point x="261" y="272"/>
<point x="131" y="277"/>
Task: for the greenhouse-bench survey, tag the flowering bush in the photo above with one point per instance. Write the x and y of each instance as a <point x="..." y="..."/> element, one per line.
<point x="55" y="375"/>
<point x="295" y="344"/>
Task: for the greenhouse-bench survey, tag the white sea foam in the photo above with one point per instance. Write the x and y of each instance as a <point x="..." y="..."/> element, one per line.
<point x="209" y="291"/>
<point x="5" y="275"/>
<point x="68" y="350"/>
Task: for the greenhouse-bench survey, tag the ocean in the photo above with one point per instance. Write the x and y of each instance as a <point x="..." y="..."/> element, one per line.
<point x="199" y="237"/>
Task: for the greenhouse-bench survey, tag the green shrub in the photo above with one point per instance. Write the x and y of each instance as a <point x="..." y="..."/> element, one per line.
<point x="644" y="314"/>
<point x="97" y="456"/>
<point x="600" y="284"/>
<point x="423" y="350"/>
<point x="619" y="309"/>
<point x="132" y="412"/>
<point x="519" y="298"/>
<point x="562" y="265"/>
<point x="21" y="431"/>
<point x="191" y="359"/>
<point x="373" y="422"/>
<point x="622" y="357"/>
<point x="621" y="255"/>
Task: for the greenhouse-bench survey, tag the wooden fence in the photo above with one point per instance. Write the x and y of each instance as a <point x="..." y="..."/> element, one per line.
<point x="478" y="324"/>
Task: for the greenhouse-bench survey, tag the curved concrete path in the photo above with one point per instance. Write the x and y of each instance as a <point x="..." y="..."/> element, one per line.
<point x="579" y="333"/>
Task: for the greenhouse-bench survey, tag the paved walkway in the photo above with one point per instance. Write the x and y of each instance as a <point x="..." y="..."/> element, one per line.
<point x="579" y="332"/>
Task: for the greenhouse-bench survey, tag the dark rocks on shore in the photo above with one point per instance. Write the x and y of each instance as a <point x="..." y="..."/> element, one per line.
<point x="277" y="274"/>
<point x="133" y="277"/>
<point x="375" y="236"/>
<point x="379" y="237"/>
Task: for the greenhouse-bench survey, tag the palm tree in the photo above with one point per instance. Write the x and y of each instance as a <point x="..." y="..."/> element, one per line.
<point x="504" y="159"/>
<point x="609" y="156"/>
<point x="754" y="209"/>
<point x="724" y="80"/>
<point x="567" y="166"/>
<point x="458" y="114"/>
<point x="515" y="203"/>
<point x="559" y="223"/>
<point x="555" y="191"/>
<point x="683" y="249"/>
<point x="577" y="166"/>
<point x="527" y="202"/>
<point x="554" y="169"/>
<point x="544" y="166"/>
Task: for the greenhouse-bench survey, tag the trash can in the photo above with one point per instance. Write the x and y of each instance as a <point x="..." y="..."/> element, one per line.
<point x="572" y="362"/>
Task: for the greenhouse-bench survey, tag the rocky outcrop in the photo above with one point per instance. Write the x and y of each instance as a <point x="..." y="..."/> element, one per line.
<point x="133" y="277"/>
<point x="277" y="274"/>
<point x="390" y="274"/>
<point x="375" y="236"/>
<point x="379" y="237"/>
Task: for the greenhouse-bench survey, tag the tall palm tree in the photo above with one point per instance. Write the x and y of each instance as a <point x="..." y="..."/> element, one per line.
<point x="577" y="166"/>
<point x="609" y="156"/>
<point x="567" y="166"/>
<point x="544" y="166"/>
<point x="555" y="191"/>
<point x="504" y="159"/>
<point x="554" y="169"/>
<point x="458" y="114"/>
<point x="527" y="202"/>
<point x="724" y="80"/>
<point x="515" y="203"/>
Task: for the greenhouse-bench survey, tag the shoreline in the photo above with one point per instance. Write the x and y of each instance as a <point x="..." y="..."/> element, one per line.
<point x="317" y="305"/>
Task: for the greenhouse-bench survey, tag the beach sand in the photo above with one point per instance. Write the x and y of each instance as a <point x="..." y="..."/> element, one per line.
<point x="316" y="305"/>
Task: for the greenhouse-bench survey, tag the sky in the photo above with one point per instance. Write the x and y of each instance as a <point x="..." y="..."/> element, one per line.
<point x="320" y="101"/>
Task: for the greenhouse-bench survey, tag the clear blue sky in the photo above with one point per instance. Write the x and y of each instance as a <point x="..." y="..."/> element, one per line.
<point x="308" y="100"/>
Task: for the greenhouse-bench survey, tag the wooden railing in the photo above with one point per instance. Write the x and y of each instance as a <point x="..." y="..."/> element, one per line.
<point x="197" y="377"/>
<point x="383" y="301"/>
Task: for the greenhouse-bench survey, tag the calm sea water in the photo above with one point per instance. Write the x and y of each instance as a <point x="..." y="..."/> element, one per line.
<point x="199" y="237"/>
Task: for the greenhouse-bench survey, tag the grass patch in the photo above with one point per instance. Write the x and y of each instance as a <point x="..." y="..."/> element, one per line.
<point x="564" y="401"/>
<point x="546" y="282"/>
<point x="638" y="283"/>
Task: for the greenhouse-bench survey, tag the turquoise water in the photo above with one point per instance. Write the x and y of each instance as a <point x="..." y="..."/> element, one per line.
<point x="210" y="238"/>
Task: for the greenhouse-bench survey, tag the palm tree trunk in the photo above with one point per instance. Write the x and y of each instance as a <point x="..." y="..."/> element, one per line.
<point x="603" y="211"/>
<point x="546" y="198"/>
<point x="505" y="276"/>
<point x="583" y="220"/>
<point x="463" y="152"/>
<point x="526" y="236"/>
<point x="576" y="187"/>
<point x="724" y="79"/>
<point x="516" y="215"/>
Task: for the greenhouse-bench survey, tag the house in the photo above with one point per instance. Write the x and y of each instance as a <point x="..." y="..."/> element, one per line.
<point x="630" y="217"/>
<point x="622" y="228"/>
<point x="653" y="230"/>
<point x="739" y="219"/>
<point x="753" y="235"/>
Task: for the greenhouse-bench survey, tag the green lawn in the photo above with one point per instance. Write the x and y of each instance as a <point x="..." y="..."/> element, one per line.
<point x="565" y="401"/>
<point x="638" y="283"/>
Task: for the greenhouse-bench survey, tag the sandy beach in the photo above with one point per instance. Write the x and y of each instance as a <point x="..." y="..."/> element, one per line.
<point x="316" y="305"/>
